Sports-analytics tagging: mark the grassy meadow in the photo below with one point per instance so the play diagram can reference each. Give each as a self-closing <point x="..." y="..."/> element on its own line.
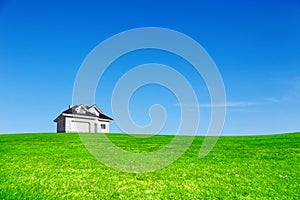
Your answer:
<point x="58" y="166"/>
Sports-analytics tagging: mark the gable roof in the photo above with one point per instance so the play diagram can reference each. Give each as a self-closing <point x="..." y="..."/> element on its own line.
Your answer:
<point x="94" y="106"/>
<point x="73" y="111"/>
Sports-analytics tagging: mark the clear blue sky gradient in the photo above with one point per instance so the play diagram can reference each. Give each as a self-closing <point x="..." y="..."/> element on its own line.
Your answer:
<point x="255" y="44"/>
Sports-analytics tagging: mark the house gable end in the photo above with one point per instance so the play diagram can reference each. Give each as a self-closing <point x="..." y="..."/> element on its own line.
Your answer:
<point x="81" y="109"/>
<point x="95" y="110"/>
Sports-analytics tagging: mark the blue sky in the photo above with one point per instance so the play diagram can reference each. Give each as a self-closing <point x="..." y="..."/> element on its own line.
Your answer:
<point x="255" y="44"/>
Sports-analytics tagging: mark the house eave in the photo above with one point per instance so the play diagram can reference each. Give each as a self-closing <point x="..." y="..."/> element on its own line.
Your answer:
<point x="81" y="117"/>
<point x="57" y="118"/>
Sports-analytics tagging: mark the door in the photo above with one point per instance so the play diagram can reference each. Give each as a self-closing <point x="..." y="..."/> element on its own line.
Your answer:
<point x="96" y="128"/>
<point x="82" y="127"/>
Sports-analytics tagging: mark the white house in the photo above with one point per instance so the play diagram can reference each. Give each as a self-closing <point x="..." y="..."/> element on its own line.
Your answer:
<point x="80" y="118"/>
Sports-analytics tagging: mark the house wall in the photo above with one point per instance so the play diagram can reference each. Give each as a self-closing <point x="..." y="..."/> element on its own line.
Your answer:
<point x="61" y="125"/>
<point x="94" y="125"/>
<point x="101" y="130"/>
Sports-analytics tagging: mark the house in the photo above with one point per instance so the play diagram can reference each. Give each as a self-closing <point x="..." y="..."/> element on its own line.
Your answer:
<point x="80" y="118"/>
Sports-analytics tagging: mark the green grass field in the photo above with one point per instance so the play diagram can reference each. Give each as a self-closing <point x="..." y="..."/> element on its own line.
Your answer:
<point x="57" y="166"/>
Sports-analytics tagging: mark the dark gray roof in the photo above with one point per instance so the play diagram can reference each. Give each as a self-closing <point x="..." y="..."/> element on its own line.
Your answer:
<point x="73" y="112"/>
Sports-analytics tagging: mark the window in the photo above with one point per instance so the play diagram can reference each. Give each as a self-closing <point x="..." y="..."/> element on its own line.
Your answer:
<point x="103" y="126"/>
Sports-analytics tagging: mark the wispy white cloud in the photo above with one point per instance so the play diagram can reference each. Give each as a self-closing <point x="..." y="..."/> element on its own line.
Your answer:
<point x="237" y="106"/>
<point x="292" y="85"/>
<point x="227" y="104"/>
<point x="276" y="100"/>
<point x="244" y="110"/>
<point x="231" y="104"/>
<point x="297" y="87"/>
